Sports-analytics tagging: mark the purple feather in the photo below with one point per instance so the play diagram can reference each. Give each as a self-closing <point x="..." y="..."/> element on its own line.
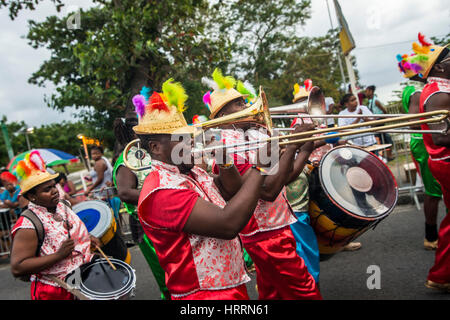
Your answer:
<point x="416" y="68"/>
<point x="401" y="67"/>
<point x="139" y="104"/>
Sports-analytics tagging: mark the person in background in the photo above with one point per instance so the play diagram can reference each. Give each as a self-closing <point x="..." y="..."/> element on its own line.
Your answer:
<point x="102" y="173"/>
<point x="330" y="107"/>
<point x="376" y="107"/>
<point x="10" y="196"/>
<point x="350" y="103"/>
<point x="67" y="185"/>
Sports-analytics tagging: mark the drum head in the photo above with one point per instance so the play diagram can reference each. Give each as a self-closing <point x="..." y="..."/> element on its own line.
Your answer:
<point x="96" y="215"/>
<point x="100" y="282"/>
<point x="358" y="182"/>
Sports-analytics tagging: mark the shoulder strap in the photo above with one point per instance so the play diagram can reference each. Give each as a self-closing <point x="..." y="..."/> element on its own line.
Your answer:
<point x="30" y="215"/>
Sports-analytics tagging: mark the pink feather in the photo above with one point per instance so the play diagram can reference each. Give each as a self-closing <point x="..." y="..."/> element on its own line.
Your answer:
<point x="207" y="99"/>
<point x="36" y="159"/>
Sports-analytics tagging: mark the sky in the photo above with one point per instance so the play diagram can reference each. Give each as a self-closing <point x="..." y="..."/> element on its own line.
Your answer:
<point x="381" y="29"/>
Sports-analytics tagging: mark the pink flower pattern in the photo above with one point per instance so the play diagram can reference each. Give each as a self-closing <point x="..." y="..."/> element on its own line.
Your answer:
<point x="55" y="235"/>
<point x="268" y="215"/>
<point x="219" y="263"/>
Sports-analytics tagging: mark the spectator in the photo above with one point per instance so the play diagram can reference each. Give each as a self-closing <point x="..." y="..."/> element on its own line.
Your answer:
<point x="350" y="103"/>
<point x="376" y="107"/>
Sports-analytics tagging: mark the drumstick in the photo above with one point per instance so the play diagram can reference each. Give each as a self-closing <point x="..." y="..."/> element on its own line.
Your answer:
<point x="104" y="256"/>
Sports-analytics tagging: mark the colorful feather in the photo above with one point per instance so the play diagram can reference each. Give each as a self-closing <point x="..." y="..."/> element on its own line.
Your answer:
<point x="139" y="102"/>
<point x="296" y="88"/>
<point x="8" y="177"/>
<point x="416" y="68"/>
<point x="210" y="83"/>
<point x="156" y="102"/>
<point x="22" y="169"/>
<point x="423" y="41"/>
<point x="399" y="58"/>
<point x="223" y="82"/>
<point x="243" y="90"/>
<point x="37" y="161"/>
<point x="175" y="93"/>
<point x="419" y="49"/>
<point x="400" y="66"/>
<point x="146" y="91"/>
<point x="308" y="84"/>
<point x="207" y="100"/>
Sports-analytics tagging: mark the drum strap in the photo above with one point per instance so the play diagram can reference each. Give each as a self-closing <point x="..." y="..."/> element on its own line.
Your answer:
<point x="30" y="215"/>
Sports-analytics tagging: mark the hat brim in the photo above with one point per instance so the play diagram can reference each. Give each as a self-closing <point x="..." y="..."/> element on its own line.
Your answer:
<point x="225" y="102"/>
<point x="35" y="180"/>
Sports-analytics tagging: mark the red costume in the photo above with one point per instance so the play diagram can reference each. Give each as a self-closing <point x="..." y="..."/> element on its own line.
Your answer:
<point x="196" y="267"/>
<point x="439" y="164"/>
<point x="281" y="273"/>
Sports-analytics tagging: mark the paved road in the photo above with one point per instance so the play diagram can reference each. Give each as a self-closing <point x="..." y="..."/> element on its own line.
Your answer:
<point x="395" y="247"/>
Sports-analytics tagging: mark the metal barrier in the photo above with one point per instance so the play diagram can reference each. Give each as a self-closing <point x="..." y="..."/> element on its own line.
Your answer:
<point x="5" y="231"/>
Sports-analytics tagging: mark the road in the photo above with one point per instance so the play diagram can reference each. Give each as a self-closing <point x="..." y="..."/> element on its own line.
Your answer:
<point x="394" y="251"/>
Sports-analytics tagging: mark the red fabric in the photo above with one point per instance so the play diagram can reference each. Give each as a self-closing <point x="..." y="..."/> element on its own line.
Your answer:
<point x="240" y="163"/>
<point x="280" y="273"/>
<point x="173" y="246"/>
<point x="440" y="272"/>
<point x="435" y="152"/>
<point x="237" y="293"/>
<point x="178" y="205"/>
<point x="41" y="291"/>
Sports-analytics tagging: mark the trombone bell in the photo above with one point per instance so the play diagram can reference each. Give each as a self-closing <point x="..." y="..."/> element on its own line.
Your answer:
<point x="258" y="112"/>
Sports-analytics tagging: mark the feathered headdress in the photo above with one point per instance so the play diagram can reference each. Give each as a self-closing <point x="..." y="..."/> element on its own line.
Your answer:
<point x="421" y="60"/>
<point x="302" y="91"/>
<point x="246" y="89"/>
<point x="162" y="112"/>
<point x="31" y="171"/>
<point x="223" y="91"/>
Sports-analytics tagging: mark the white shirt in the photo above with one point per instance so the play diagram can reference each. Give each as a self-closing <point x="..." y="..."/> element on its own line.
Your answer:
<point x="363" y="141"/>
<point x="328" y="102"/>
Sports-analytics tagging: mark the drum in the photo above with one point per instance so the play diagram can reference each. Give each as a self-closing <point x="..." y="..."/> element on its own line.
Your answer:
<point x="351" y="192"/>
<point x="100" y="223"/>
<point x="97" y="280"/>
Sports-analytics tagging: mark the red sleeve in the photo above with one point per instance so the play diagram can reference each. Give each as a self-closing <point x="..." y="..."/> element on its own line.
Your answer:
<point x="169" y="208"/>
<point x="242" y="165"/>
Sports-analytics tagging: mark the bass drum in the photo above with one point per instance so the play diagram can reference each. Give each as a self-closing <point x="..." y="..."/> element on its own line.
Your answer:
<point x="350" y="192"/>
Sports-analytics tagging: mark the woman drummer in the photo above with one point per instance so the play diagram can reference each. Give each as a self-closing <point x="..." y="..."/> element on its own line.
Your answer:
<point x="66" y="245"/>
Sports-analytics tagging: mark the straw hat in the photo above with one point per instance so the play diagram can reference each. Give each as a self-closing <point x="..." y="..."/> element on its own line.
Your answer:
<point x="223" y="92"/>
<point x="302" y="91"/>
<point x="422" y="60"/>
<point x="31" y="172"/>
<point x="162" y="113"/>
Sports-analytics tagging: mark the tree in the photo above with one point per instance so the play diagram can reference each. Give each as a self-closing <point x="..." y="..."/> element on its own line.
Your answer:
<point x="121" y="46"/>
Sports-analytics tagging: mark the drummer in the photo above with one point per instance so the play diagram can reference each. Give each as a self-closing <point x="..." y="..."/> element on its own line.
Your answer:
<point x="433" y="64"/>
<point x="66" y="245"/>
<point x="268" y="239"/>
<point x="183" y="210"/>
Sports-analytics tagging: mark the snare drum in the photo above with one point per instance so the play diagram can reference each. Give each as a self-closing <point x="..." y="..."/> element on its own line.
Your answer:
<point x="98" y="281"/>
<point x="100" y="223"/>
<point x="350" y="192"/>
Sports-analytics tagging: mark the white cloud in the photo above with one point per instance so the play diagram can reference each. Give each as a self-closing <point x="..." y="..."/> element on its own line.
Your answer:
<point x="398" y="21"/>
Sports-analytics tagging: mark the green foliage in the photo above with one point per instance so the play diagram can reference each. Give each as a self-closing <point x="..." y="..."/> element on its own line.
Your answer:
<point x="125" y="44"/>
<point x="60" y="136"/>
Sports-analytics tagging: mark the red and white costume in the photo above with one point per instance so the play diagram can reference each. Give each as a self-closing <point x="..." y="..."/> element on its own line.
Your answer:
<point x="196" y="267"/>
<point x="42" y="288"/>
<point x="268" y="239"/>
<point x="439" y="164"/>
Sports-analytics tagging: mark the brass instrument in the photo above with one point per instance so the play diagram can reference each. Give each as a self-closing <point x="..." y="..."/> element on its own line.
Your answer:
<point x="139" y="155"/>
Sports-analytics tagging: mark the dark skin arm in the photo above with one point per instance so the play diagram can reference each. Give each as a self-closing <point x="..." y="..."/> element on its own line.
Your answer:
<point x="23" y="259"/>
<point x="100" y="168"/>
<point x="302" y="157"/>
<point x="439" y="101"/>
<point x="275" y="183"/>
<point x="379" y="105"/>
<point x="209" y="220"/>
<point x="229" y="182"/>
<point x="127" y="186"/>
